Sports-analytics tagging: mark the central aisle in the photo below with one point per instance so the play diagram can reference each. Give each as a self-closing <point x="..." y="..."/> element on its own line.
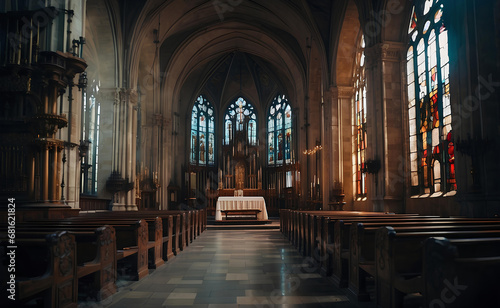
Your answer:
<point x="233" y="268"/>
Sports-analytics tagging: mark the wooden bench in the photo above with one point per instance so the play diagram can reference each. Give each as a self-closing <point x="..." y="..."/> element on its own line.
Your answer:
<point x="155" y="233"/>
<point x="186" y="224"/>
<point x="95" y="255"/>
<point x="241" y="212"/>
<point x="363" y="246"/>
<point x="321" y="233"/>
<point x="99" y="248"/>
<point x="131" y="241"/>
<point x="336" y="241"/>
<point x="399" y="261"/>
<point x="304" y="229"/>
<point x="173" y="226"/>
<point x="46" y="270"/>
<point x="471" y="266"/>
<point x="338" y="263"/>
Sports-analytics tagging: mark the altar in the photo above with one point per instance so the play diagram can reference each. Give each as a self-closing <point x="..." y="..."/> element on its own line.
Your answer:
<point x="241" y="203"/>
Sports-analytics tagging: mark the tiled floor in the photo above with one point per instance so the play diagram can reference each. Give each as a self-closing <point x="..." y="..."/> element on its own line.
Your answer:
<point x="233" y="268"/>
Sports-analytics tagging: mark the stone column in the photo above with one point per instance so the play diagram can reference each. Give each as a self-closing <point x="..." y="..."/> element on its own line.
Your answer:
<point x="473" y="28"/>
<point x="124" y="152"/>
<point x="107" y="97"/>
<point x="341" y="144"/>
<point x="45" y="173"/>
<point x="385" y="142"/>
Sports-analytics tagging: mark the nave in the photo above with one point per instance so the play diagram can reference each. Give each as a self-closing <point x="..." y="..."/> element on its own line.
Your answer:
<point x="234" y="268"/>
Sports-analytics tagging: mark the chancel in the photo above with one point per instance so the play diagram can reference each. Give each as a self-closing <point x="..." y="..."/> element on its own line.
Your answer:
<point x="248" y="152"/>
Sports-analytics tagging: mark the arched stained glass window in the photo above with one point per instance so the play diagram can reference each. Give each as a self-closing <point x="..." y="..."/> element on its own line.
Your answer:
<point x="432" y="157"/>
<point x="359" y="156"/>
<point x="91" y="115"/>
<point x="279" y="132"/>
<point x="202" y="133"/>
<point x="240" y="116"/>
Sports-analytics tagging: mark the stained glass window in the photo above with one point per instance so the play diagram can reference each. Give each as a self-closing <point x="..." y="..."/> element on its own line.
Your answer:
<point x="432" y="158"/>
<point x="359" y="107"/>
<point x="91" y="114"/>
<point x="202" y="133"/>
<point x="240" y="116"/>
<point x="280" y="132"/>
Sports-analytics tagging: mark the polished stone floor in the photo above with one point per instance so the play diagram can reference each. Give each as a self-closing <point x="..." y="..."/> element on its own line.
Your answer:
<point x="233" y="268"/>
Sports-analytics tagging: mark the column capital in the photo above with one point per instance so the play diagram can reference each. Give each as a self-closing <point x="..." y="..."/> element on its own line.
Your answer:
<point x="128" y="96"/>
<point x="108" y="94"/>
<point x="341" y="92"/>
<point x="386" y="51"/>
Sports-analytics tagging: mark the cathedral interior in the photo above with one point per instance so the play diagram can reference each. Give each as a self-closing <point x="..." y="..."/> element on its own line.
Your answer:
<point x="131" y="105"/>
<point x="387" y="106"/>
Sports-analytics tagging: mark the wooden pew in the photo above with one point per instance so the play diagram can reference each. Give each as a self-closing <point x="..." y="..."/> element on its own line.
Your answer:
<point x="305" y="230"/>
<point x="399" y="264"/>
<point x="95" y="255"/>
<point x="336" y="238"/>
<point x="187" y="225"/>
<point x="362" y="244"/>
<point x="461" y="272"/>
<point x="304" y="237"/>
<point x="322" y="235"/>
<point x="48" y="271"/>
<point x="178" y="223"/>
<point x="155" y="233"/>
<point x="131" y="240"/>
<point x="338" y="263"/>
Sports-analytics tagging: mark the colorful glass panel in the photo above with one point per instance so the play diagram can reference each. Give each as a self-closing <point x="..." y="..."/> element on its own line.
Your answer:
<point x="280" y="150"/>
<point x="413" y="22"/>
<point x="194" y="145"/>
<point x="271" y="146"/>
<point x="211" y="146"/>
<point x="252" y="132"/>
<point x="202" y="133"/>
<point x="431" y="164"/>
<point x="359" y="109"/>
<point x="238" y="117"/>
<point x="280" y="132"/>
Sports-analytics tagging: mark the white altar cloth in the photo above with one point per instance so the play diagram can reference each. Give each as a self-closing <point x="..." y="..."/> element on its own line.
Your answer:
<point x="241" y="203"/>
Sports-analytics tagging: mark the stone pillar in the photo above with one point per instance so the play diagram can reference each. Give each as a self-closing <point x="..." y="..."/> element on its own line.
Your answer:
<point x="55" y="177"/>
<point x="475" y="93"/>
<point x="385" y="144"/>
<point x="341" y="145"/>
<point x="124" y="152"/>
<point x="45" y="173"/>
<point x="107" y="98"/>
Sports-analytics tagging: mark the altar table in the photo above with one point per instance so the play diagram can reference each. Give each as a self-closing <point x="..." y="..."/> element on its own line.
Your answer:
<point x="241" y="203"/>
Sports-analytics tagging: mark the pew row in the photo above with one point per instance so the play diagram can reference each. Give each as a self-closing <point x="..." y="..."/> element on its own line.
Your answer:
<point x="461" y="272"/>
<point x="363" y="244"/>
<point x="51" y="275"/>
<point x="399" y="261"/>
<point x="335" y="247"/>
